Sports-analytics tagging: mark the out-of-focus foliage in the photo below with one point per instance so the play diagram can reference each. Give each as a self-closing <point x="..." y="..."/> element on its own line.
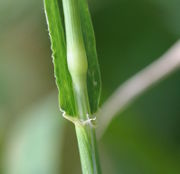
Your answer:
<point x="130" y="34"/>
<point x="34" y="143"/>
<point x="144" y="139"/>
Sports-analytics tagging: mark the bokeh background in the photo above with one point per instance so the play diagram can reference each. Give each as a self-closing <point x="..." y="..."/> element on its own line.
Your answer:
<point x="34" y="139"/>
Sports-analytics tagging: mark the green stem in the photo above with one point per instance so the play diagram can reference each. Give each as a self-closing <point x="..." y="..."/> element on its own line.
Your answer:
<point x="88" y="150"/>
<point x="77" y="65"/>
<point x="86" y="133"/>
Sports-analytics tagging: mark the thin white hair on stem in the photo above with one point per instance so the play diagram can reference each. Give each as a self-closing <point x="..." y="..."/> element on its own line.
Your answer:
<point x="136" y="85"/>
<point x="76" y="120"/>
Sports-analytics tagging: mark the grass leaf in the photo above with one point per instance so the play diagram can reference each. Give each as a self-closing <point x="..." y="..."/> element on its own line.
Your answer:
<point x="63" y="78"/>
<point x="58" y="46"/>
<point x="93" y="76"/>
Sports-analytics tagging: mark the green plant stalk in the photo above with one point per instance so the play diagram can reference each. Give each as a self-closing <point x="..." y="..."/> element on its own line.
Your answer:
<point x="86" y="136"/>
<point x="78" y="66"/>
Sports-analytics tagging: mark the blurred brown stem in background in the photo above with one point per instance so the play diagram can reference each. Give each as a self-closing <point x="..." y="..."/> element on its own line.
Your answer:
<point x="136" y="85"/>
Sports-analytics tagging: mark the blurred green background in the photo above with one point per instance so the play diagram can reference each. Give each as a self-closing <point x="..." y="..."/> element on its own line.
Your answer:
<point x="34" y="139"/>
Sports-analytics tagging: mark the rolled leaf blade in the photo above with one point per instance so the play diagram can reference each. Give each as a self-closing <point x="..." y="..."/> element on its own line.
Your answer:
<point x="58" y="46"/>
<point x="93" y="76"/>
